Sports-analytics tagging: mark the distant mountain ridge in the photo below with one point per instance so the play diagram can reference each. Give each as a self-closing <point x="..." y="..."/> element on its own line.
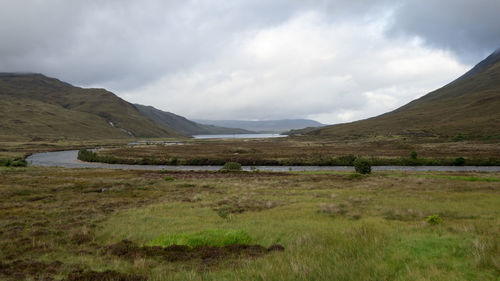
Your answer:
<point x="269" y="126"/>
<point x="469" y="105"/>
<point x="182" y="124"/>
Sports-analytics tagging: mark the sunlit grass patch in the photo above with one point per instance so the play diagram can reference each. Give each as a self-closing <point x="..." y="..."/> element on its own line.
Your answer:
<point x="209" y="237"/>
<point x="447" y="177"/>
<point x="463" y="178"/>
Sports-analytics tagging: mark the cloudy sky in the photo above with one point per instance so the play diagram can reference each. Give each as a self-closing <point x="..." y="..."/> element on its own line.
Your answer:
<point x="333" y="61"/>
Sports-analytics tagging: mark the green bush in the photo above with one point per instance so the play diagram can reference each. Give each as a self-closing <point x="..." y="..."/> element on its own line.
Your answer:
<point x="5" y="162"/>
<point x="433" y="220"/>
<point x="413" y="155"/>
<point x="346" y="160"/>
<point x="460" y="161"/>
<point x="18" y="163"/>
<point x="231" y="166"/>
<point x="460" y="137"/>
<point x="211" y="237"/>
<point x="87" y="156"/>
<point x="174" y="161"/>
<point x="224" y="213"/>
<point x="169" y="178"/>
<point x="90" y="156"/>
<point x="362" y="166"/>
<point x="13" y="163"/>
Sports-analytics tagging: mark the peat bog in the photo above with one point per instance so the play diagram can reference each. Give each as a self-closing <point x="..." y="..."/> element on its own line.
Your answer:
<point x="95" y="224"/>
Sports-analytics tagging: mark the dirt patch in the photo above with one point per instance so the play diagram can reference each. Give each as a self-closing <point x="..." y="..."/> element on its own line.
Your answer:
<point x="109" y="275"/>
<point x="276" y="247"/>
<point x="341" y="209"/>
<point x="174" y="253"/>
<point x="81" y="238"/>
<point x="21" y="269"/>
<point x="236" y="205"/>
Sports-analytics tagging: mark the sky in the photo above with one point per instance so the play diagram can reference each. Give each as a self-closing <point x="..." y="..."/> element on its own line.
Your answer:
<point x="332" y="61"/>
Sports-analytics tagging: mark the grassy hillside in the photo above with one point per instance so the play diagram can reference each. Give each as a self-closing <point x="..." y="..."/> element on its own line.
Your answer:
<point x="39" y="106"/>
<point x="468" y="106"/>
<point x="181" y="124"/>
<point x="38" y="120"/>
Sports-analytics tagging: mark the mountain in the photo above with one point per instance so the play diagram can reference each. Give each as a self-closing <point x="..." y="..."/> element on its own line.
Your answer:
<point x="270" y="126"/>
<point x="181" y="124"/>
<point x="470" y="105"/>
<point x="36" y="106"/>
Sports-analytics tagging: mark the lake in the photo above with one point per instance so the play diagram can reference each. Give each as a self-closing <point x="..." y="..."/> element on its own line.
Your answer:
<point x="240" y="136"/>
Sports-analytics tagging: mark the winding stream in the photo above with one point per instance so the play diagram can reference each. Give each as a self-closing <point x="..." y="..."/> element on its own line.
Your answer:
<point x="68" y="159"/>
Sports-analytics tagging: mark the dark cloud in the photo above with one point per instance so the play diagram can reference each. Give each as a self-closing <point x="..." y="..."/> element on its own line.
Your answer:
<point x="471" y="29"/>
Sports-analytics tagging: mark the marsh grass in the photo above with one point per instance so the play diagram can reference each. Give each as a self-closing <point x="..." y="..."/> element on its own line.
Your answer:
<point x="54" y="222"/>
<point x="482" y="177"/>
<point x="311" y="151"/>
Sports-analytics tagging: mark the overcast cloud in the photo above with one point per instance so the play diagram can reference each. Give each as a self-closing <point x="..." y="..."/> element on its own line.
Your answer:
<point x="333" y="61"/>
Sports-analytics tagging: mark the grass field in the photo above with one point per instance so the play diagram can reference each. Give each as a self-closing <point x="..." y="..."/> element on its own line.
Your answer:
<point x="310" y="151"/>
<point x="70" y="224"/>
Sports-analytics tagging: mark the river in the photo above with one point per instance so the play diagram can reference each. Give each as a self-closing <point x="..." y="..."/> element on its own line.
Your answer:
<point x="68" y="159"/>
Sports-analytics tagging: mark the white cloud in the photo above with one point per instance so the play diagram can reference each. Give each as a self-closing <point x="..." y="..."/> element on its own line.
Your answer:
<point x="308" y="66"/>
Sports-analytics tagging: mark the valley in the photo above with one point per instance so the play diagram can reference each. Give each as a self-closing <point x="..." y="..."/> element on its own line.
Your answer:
<point x="208" y="218"/>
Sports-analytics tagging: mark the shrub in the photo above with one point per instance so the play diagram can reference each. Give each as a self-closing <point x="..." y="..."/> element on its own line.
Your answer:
<point x="5" y="162"/>
<point x="211" y="237"/>
<point x="174" y="161"/>
<point x="413" y="155"/>
<point x="362" y="166"/>
<point x="87" y="155"/>
<point x="459" y="161"/>
<point x="19" y="163"/>
<point x="224" y="213"/>
<point x="169" y="178"/>
<point x="460" y="137"/>
<point x="232" y="166"/>
<point x="433" y="220"/>
<point x="13" y="163"/>
<point x="346" y="160"/>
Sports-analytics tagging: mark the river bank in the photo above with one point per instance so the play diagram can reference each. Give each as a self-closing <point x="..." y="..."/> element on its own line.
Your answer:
<point x="68" y="159"/>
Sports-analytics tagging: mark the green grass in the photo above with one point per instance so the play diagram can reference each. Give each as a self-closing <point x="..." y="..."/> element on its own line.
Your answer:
<point x="465" y="178"/>
<point x="378" y="233"/>
<point x="452" y="177"/>
<point x="210" y="237"/>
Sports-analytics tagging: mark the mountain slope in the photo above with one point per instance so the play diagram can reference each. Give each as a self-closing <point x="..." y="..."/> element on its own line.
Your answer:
<point x="274" y="126"/>
<point x="184" y="125"/>
<point x="38" y="106"/>
<point x="469" y="105"/>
